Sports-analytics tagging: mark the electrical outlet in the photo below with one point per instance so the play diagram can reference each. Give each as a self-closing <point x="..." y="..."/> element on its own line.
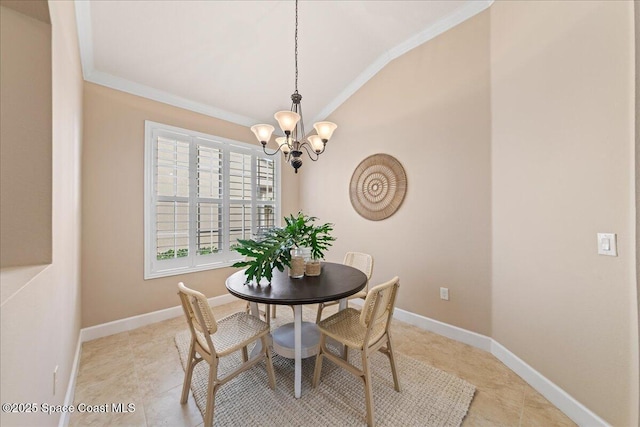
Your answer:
<point x="55" y="378"/>
<point x="444" y="294"/>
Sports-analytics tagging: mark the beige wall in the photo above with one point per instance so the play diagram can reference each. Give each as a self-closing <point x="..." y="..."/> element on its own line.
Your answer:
<point x="429" y="109"/>
<point x="40" y="315"/>
<point x="522" y="191"/>
<point x="637" y="116"/>
<point x="112" y="194"/>
<point x="25" y="140"/>
<point x="505" y="172"/>
<point x="562" y="170"/>
<point x="36" y="9"/>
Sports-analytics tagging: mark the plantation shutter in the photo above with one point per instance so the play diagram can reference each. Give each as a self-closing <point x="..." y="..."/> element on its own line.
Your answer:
<point x="203" y="194"/>
<point x="241" y="196"/>
<point x="171" y="200"/>
<point x="266" y="194"/>
<point x="209" y="228"/>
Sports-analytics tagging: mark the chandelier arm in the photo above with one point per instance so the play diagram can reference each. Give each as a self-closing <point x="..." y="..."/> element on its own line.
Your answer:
<point x="305" y="145"/>
<point x="264" y="148"/>
<point x="294" y="108"/>
<point x="301" y="122"/>
<point x="324" y="147"/>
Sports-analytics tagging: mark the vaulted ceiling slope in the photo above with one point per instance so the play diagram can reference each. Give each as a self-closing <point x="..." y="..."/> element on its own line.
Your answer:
<point x="235" y="59"/>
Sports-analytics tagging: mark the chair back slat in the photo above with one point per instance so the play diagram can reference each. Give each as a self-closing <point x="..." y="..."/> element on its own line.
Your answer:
<point x="361" y="261"/>
<point x="378" y="306"/>
<point x="198" y="310"/>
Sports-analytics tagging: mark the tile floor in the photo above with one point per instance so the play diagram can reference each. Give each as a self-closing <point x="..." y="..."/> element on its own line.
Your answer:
<point x="142" y="367"/>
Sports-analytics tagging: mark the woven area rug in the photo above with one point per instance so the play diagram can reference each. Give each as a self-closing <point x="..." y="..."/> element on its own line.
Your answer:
<point x="429" y="396"/>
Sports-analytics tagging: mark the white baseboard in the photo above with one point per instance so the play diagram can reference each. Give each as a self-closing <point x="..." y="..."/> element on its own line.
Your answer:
<point x="71" y="387"/>
<point x="575" y="410"/>
<point x="122" y="325"/>
<point x="455" y="333"/>
<point x="561" y="399"/>
<point x="130" y="323"/>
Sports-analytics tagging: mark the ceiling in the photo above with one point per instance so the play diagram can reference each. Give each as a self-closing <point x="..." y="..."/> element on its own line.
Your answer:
<point x="235" y="59"/>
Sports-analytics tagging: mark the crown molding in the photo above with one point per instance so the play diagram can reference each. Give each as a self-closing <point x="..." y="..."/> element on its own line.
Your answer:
<point x="83" y="21"/>
<point x="455" y="18"/>
<point x="148" y="92"/>
<point x="90" y="74"/>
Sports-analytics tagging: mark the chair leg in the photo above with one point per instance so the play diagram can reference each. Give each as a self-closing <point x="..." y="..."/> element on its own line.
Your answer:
<point x="270" y="373"/>
<point x="319" y="315"/>
<point x="394" y="372"/>
<point x="368" y="392"/>
<point x="345" y="353"/>
<point x="188" y="373"/>
<point x="245" y="354"/>
<point x="266" y="311"/>
<point x="318" y="368"/>
<point x="212" y="388"/>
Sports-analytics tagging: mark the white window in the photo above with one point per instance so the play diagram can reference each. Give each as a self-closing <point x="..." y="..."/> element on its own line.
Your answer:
<point x="202" y="194"/>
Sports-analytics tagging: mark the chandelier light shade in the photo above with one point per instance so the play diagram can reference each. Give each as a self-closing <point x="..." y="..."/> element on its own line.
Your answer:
<point x="292" y="125"/>
<point x="287" y="120"/>
<point x="262" y="132"/>
<point x="325" y="130"/>
<point x="316" y="143"/>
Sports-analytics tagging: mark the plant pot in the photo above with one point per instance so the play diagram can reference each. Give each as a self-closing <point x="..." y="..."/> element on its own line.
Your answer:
<point x="296" y="270"/>
<point x="313" y="267"/>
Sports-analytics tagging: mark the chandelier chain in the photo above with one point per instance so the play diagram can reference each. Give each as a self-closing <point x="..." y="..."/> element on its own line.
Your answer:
<point x="296" y="47"/>
<point x="292" y="124"/>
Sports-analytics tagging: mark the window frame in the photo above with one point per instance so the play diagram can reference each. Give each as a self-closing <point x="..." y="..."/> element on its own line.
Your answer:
<point x="194" y="262"/>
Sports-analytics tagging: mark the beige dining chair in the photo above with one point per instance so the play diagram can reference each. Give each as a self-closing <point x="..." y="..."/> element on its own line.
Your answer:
<point x="211" y="340"/>
<point x="361" y="261"/>
<point x="267" y="308"/>
<point x="366" y="330"/>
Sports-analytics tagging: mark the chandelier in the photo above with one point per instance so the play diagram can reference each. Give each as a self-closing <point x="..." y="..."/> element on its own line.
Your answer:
<point x="292" y="124"/>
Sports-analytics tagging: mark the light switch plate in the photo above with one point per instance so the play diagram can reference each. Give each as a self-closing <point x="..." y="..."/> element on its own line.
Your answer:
<point x="607" y="244"/>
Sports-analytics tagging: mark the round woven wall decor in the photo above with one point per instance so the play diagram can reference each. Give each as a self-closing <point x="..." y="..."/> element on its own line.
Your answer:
<point x="378" y="186"/>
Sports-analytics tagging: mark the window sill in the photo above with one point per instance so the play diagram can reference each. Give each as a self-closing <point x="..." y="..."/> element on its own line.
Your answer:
<point x="188" y="270"/>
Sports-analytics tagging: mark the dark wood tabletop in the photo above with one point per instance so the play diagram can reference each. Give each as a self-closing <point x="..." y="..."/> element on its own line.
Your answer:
<point x="336" y="281"/>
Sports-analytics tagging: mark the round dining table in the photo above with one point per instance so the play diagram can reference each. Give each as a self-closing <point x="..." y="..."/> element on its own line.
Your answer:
<point x="335" y="282"/>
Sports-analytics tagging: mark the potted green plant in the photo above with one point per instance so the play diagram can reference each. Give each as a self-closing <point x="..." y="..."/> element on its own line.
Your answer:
<point x="263" y="255"/>
<point x="286" y="246"/>
<point x="308" y="243"/>
<point x="303" y="233"/>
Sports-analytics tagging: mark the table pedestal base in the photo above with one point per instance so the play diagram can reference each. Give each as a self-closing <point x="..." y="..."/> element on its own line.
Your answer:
<point x="284" y="340"/>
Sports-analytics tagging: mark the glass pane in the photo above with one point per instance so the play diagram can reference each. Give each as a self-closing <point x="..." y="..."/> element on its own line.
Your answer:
<point x="209" y="172"/>
<point x="239" y="223"/>
<point x="266" y="179"/>
<point x="209" y="233"/>
<point x="265" y="218"/>
<point x="172" y="172"/>
<point x="172" y="230"/>
<point x="240" y="176"/>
